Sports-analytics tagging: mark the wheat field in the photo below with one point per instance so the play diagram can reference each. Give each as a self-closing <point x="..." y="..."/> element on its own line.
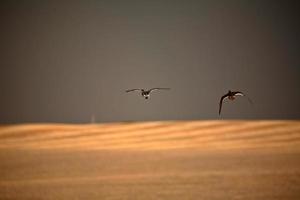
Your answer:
<point x="180" y="160"/>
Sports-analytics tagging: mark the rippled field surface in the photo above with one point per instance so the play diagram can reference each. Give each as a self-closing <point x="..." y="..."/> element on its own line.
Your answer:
<point x="186" y="160"/>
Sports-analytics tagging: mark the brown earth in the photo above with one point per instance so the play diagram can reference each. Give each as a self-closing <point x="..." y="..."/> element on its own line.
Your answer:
<point x="152" y="160"/>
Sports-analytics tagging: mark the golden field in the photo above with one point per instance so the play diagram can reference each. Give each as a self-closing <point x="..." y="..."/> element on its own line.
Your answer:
<point x="178" y="160"/>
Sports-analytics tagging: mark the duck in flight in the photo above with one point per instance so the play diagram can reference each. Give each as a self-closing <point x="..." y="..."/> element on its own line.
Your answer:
<point x="231" y="96"/>
<point x="146" y="93"/>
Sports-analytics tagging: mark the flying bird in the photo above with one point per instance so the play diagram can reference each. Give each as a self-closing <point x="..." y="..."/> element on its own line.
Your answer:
<point x="231" y="96"/>
<point x="146" y="93"/>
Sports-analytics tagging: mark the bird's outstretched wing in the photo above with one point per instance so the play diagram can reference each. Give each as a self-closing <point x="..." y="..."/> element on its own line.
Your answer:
<point x="238" y="93"/>
<point x="249" y="100"/>
<point x="221" y="102"/>
<point x="152" y="89"/>
<point x="131" y="90"/>
<point x="242" y="94"/>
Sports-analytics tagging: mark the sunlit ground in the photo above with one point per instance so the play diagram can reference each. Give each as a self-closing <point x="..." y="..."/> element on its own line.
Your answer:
<point x="151" y="160"/>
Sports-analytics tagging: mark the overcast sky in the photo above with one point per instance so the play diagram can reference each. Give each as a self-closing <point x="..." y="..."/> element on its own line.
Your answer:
<point x="66" y="61"/>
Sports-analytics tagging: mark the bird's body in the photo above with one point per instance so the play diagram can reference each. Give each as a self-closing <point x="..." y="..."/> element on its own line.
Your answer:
<point x="231" y="96"/>
<point x="146" y="93"/>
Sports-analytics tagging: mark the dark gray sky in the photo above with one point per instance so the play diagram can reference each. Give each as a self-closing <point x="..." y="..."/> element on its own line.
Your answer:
<point x="64" y="61"/>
